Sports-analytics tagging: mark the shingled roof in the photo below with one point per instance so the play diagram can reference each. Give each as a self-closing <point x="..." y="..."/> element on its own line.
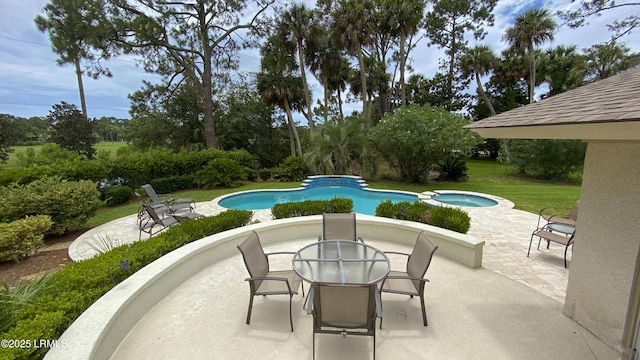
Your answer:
<point x="608" y="109"/>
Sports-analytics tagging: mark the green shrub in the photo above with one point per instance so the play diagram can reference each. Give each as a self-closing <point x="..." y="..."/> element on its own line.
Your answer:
<point x="80" y="284"/>
<point x="174" y="183"/>
<point x="311" y="207"/>
<point x="252" y="175"/>
<point x="14" y="299"/>
<point x="453" y="168"/>
<point x="116" y="195"/>
<point x="451" y="218"/>
<point x="545" y="159"/>
<point x="444" y="217"/>
<point x="293" y="168"/>
<point x="223" y="172"/>
<point x="69" y="203"/>
<point x="265" y="174"/>
<point x="21" y="238"/>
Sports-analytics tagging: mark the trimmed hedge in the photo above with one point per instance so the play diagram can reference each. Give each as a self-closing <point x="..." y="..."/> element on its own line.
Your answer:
<point x="312" y="207"/>
<point x="444" y="217"/>
<point x="21" y="238"/>
<point x="174" y="183"/>
<point x="69" y="203"/>
<point x="116" y="195"/>
<point x="80" y="284"/>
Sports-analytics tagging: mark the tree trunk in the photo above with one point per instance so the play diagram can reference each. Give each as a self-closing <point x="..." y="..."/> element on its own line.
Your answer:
<point x="292" y="126"/>
<point x="340" y="104"/>
<point x="532" y="72"/>
<point x="207" y="93"/>
<point x="403" y="91"/>
<point x="326" y="98"/>
<point x="363" y="80"/>
<point x="83" y="102"/>
<point x="484" y="95"/>
<point x="305" y="85"/>
<point x="292" y="143"/>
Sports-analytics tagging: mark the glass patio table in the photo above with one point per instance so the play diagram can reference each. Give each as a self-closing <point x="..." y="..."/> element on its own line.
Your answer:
<point x="562" y="228"/>
<point x="341" y="261"/>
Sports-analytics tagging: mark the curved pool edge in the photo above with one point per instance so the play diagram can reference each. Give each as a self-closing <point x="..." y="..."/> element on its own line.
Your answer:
<point x="502" y="202"/>
<point x="98" y="331"/>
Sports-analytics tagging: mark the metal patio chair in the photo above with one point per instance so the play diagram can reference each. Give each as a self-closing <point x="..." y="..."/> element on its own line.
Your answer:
<point x="167" y="199"/>
<point x="344" y="309"/>
<point x="411" y="282"/>
<point x="262" y="280"/>
<point x="339" y="226"/>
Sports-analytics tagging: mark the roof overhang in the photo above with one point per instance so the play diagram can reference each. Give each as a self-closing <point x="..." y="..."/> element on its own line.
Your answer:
<point x="610" y="131"/>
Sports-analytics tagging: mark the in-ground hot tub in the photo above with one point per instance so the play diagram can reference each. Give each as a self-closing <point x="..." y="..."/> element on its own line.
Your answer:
<point x="460" y="198"/>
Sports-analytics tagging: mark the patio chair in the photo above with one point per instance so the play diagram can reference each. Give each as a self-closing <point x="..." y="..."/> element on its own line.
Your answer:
<point x="339" y="226"/>
<point x="263" y="281"/>
<point x="345" y="309"/>
<point x="411" y="282"/>
<point x="166" y="199"/>
<point x="563" y="216"/>
<point x="547" y="234"/>
<point x="156" y="217"/>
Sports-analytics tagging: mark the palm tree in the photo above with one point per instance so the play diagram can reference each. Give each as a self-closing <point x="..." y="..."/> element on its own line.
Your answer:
<point x="300" y="27"/>
<point x="352" y="27"/>
<point x="479" y="60"/>
<point x="340" y="148"/>
<point x="604" y="60"/>
<point x="406" y="16"/>
<point x="531" y="29"/>
<point x="279" y="86"/>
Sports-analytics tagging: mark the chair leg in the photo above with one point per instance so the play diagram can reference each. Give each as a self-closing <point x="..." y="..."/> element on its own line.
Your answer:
<point x="374" y="343"/>
<point x="314" y="345"/>
<point x="530" y="242"/>
<point x="565" y="256"/>
<point x="290" y="316"/>
<point x="424" y="311"/>
<point x="250" y="306"/>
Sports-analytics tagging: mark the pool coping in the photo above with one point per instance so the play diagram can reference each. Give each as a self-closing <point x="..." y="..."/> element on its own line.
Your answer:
<point x="502" y="202"/>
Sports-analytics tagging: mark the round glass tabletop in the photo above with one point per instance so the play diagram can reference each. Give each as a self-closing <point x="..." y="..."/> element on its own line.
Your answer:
<point x="341" y="261"/>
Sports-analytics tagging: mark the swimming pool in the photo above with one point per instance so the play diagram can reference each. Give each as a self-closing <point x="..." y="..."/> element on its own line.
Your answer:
<point x="463" y="199"/>
<point x="365" y="201"/>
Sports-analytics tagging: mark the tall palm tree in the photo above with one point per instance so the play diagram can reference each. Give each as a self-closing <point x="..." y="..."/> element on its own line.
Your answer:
<point x="278" y="85"/>
<point x="301" y="28"/>
<point x="406" y="16"/>
<point x="531" y="29"/>
<point x="352" y="27"/>
<point x="479" y="60"/>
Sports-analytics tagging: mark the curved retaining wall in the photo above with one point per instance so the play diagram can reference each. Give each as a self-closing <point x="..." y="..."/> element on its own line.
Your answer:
<point x="100" y="329"/>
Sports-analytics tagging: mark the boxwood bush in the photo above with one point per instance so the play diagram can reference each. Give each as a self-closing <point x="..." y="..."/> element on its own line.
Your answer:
<point x="69" y="203"/>
<point x="174" y="183"/>
<point x="444" y="217"/>
<point x="21" y="238"/>
<point x="312" y="207"/>
<point x="116" y="195"/>
<point x="80" y="284"/>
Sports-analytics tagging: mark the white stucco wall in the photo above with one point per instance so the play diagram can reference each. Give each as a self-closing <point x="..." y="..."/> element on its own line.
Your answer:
<point x="607" y="239"/>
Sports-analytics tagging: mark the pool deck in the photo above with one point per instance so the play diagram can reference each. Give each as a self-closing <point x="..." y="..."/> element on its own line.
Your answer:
<point x="511" y="308"/>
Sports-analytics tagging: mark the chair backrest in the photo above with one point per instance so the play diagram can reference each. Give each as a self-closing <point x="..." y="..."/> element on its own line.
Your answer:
<point x="151" y="193"/>
<point x="153" y="213"/>
<point x="339" y="226"/>
<point x="420" y="258"/>
<point x="254" y="257"/>
<point x="573" y="214"/>
<point x="346" y="306"/>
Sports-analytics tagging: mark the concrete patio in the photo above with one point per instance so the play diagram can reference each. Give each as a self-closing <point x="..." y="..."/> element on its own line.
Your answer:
<point x="509" y="309"/>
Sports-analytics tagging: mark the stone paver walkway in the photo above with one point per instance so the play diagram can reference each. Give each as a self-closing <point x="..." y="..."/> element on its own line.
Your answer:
<point x="506" y="233"/>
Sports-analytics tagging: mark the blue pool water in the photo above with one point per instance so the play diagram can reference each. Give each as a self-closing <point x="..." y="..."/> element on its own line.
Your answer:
<point x="464" y="200"/>
<point x="364" y="201"/>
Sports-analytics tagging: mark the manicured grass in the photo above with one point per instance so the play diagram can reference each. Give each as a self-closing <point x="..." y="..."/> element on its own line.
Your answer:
<point x="103" y="145"/>
<point x="487" y="177"/>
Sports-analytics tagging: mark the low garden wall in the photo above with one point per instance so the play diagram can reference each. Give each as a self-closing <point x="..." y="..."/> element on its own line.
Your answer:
<point x="101" y="328"/>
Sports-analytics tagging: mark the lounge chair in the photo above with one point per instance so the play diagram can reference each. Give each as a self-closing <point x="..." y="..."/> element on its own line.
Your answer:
<point x="263" y="281"/>
<point x="156" y="217"/>
<point x="166" y="199"/>
<point x="339" y="226"/>
<point x="411" y="282"/>
<point x="345" y="309"/>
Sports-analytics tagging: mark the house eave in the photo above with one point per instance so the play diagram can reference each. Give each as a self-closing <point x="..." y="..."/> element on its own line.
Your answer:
<point x="611" y="131"/>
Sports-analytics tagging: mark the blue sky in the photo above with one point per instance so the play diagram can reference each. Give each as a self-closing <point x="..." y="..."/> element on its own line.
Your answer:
<point x="31" y="82"/>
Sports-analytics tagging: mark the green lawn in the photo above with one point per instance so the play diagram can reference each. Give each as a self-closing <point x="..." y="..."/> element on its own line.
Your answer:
<point x="484" y="176"/>
<point x="103" y="145"/>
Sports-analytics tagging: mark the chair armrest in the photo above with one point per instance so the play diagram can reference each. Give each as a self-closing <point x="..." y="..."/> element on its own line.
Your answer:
<point x="360" y="239"/>
<point x="281" y="253"/>
<point x="407" y="278"/>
